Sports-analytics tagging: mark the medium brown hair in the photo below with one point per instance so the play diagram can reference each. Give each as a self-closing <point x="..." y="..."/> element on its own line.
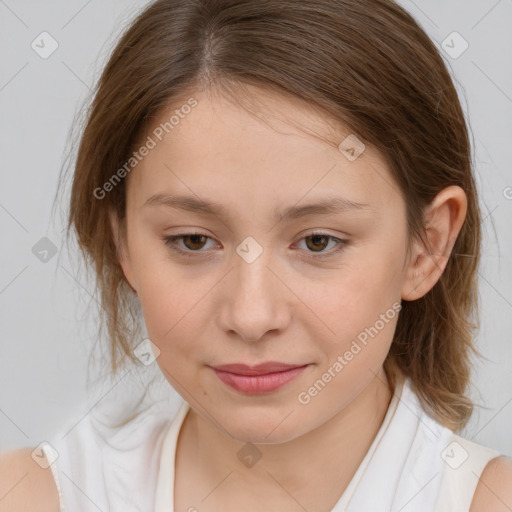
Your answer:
<point x="365" y="63"/>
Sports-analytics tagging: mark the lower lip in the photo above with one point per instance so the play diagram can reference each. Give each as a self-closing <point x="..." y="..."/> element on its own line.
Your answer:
<point x="258" y="384"/>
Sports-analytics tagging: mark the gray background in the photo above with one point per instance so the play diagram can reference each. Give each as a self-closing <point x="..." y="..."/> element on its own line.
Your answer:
<point x="45" y="333"/>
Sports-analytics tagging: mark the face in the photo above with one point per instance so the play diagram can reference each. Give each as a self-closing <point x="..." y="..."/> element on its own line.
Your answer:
<point x="246" y="283"/>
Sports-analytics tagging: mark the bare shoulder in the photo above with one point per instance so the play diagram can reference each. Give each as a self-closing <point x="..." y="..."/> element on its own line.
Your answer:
<point x="494" y="489"/>
<point x="24" y="485"/>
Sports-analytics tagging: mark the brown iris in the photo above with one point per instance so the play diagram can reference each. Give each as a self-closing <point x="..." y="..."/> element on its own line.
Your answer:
<point x="195" y="241"/>
<point x="316" y="239"/>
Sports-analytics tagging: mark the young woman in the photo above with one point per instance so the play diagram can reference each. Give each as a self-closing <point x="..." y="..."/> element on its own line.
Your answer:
<point x="283" y="190"/>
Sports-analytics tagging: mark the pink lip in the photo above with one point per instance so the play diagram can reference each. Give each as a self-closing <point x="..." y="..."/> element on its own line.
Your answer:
<point x="262" y="378"/>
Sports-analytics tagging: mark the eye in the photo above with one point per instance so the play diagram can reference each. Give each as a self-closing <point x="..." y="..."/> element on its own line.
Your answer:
<point x="318" y="241"/>
<point x="194" y="242"/>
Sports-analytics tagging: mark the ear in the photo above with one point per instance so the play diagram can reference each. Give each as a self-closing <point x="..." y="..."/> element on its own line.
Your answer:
<point x="122" y="251"/>
<point x="444" y="218"/>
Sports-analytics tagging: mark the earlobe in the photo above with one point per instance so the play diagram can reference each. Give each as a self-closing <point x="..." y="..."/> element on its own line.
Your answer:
<point x="121" y="252"/>
<point x="444" y="218"/>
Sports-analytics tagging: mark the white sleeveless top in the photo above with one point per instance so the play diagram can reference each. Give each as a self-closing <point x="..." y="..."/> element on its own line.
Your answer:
<point x="414" y="464"/>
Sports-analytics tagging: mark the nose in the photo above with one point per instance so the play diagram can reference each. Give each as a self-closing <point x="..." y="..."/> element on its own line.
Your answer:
<point x="257" y="300"/>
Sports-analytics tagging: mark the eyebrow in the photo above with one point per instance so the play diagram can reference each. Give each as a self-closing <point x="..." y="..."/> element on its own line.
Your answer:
<point x="329" y="205"/>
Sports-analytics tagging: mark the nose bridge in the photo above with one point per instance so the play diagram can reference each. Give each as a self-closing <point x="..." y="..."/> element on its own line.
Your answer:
<point x="257" y="302"/>
<point x="252" y="270"/>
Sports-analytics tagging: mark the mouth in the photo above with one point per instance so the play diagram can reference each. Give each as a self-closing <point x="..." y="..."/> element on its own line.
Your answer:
<point x="259" y="379"/>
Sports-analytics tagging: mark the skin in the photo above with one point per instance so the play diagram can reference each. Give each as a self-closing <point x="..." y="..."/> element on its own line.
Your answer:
<point x="287" y="305"/>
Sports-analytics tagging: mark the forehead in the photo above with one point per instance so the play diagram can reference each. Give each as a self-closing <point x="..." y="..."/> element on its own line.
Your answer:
<point x="270" y="148"/>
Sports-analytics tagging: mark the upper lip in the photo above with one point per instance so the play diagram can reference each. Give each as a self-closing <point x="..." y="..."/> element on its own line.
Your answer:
<point x="259" y="369"/>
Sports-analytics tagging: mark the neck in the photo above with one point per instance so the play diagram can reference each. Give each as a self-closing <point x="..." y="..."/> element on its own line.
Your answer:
<point x="325" y="458"/>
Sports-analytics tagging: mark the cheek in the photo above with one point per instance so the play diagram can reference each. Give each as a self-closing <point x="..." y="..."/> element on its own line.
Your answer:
<point x="169" y="297"/>
<point x="368" y="284"/>
<point x="156" y="278"/>
<point x="360" y="307"/>
<point x="170" y="312"/>
<point x="171" y="315"/>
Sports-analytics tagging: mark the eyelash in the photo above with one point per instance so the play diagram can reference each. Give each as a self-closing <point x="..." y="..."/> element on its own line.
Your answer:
<point x="170" y="241"/>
